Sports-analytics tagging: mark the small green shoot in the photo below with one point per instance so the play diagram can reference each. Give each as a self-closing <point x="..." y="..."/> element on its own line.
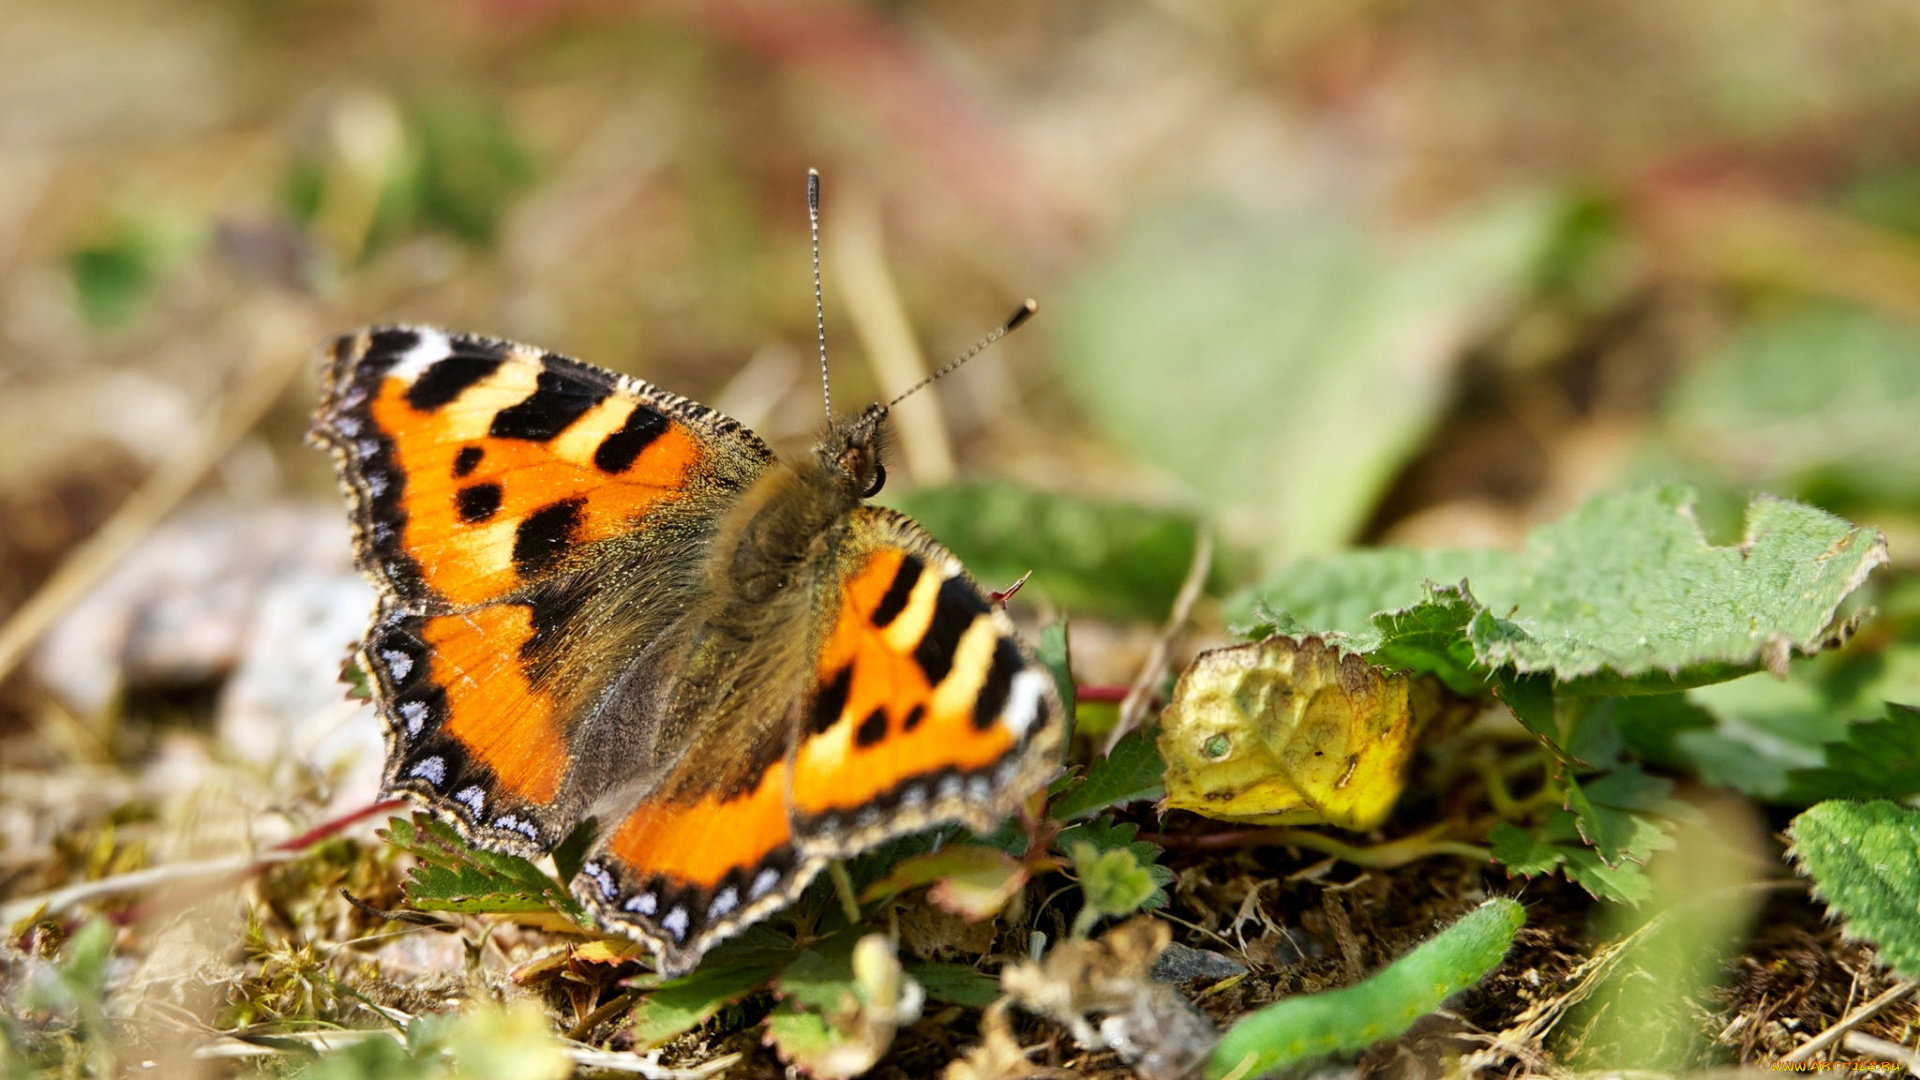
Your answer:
<point x="1311" y="1025"/>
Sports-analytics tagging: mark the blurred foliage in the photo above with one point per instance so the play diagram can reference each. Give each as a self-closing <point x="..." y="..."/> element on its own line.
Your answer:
<point x="1816" y="401"/>
<point x="1292" y="337"/>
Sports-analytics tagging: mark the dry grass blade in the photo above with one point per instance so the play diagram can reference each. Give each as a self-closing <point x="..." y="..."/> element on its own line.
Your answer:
<point x="60" y="899"/>
<point x="1898" y="992"/>
<point x="645" y="1066"/>
<point x="1133" y="707"/>
<point x="1882" y="1050"/>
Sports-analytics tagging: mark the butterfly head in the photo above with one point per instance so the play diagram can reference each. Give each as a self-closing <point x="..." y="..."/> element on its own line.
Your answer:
<point x="852" y="449"/>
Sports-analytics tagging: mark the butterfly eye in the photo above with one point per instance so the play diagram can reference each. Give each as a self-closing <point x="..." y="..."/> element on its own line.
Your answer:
<point x="879" y="481"/>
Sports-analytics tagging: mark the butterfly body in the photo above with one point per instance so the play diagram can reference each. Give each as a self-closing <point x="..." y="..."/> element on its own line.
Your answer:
<point x="601" y="600"/>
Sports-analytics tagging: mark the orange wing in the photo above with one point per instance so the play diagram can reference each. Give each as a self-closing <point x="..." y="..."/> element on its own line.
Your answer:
<point x="925" y="710"/>
<point x="496" y="490"/>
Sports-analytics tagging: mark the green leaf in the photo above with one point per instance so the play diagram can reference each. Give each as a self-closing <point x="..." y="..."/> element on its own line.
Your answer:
<point x="1624" y="595"/>
<point x="1530" y="699"/>
<point x="1311" y="1025"/>
<point x="1095" y="556"/>
<point x="448" y="875"/>
<point x="689" y="1001"/>
<point x="1056" y="654"/>
<point x="1099" y="838"/>
<point x="1132" y="773"/>
<point x="1763" y="730"/>
<point x="1285" y="367"/>
<point x="1610" y="814"/>
<point x="1430" y="637"/>
<point x="1558" y="844"/>
<point x="956" y="984"/>
<point x="1864" y="859"/>
<point x="1651" y="724"/>
<point x="1112" y="883"/>
<point x="1522" y="852"/>
<point x="1879" y="759"/>
<point x="1626" y="883"/>
<point x="840" y="1005"/>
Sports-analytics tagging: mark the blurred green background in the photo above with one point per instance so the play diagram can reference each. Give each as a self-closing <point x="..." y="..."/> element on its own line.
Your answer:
<point x="1321" y="271"/>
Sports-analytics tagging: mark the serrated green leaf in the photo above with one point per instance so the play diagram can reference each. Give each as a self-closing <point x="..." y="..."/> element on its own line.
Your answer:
<point x="1112" y="883"/>
<point x="1558" y="843"/>
<point x="1106" y="834"/>
<point x="1132" y="773"/>
<point x="1624" y="595"/>
<point x="1522" y="852"/>
<point x="1864" y="859"/>
<point x="1880" y="759"/>
<point x="1626" y="883"/>
<point x="1530" y="699"/>
<point x="448" y="875"/>
<point x="1430" y="637"/>
<point x="1096" y="556"/>
<point x="1310" y="1025"/>
<point x="1608" y="814"/>
<point x="1765" y="729"/>
<point x="1100" y="837"/>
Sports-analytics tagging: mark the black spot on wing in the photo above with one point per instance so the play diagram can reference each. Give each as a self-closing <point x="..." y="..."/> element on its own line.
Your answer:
<point x="478" y="502"/>
<point x="993" y="691"/>
<point x="618" y="451"/>
<point x="467" y="460"/>
<point x="469" y="362"/>
<point x="913" y="718"/>
<point x="557" y="401"/>
<point x="544" y="535"/>
<point x="872" y="730"/>
<point x="832" y="700"/>
<point x="895" y="600"/>
<point x="953" y="611"/>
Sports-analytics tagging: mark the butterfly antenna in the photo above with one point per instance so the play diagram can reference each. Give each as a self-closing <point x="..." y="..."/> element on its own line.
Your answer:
<point x="1013" y="323"/>
<point x="819" y="307"/>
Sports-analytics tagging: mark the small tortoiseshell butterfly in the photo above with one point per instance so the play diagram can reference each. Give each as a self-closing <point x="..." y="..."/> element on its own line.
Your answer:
<point x="600" y="599"/>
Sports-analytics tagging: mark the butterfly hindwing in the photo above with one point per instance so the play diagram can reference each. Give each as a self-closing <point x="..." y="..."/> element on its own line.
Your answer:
<point x="497" y="491"/>
<point x="922" y="708"/>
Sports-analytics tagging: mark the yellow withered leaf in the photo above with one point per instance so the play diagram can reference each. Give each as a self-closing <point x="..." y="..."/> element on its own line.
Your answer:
<point x="1287" y="731"/>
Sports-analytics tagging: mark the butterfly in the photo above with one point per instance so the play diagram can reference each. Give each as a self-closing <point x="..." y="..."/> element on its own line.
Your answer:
<point x="600" y="600"/>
